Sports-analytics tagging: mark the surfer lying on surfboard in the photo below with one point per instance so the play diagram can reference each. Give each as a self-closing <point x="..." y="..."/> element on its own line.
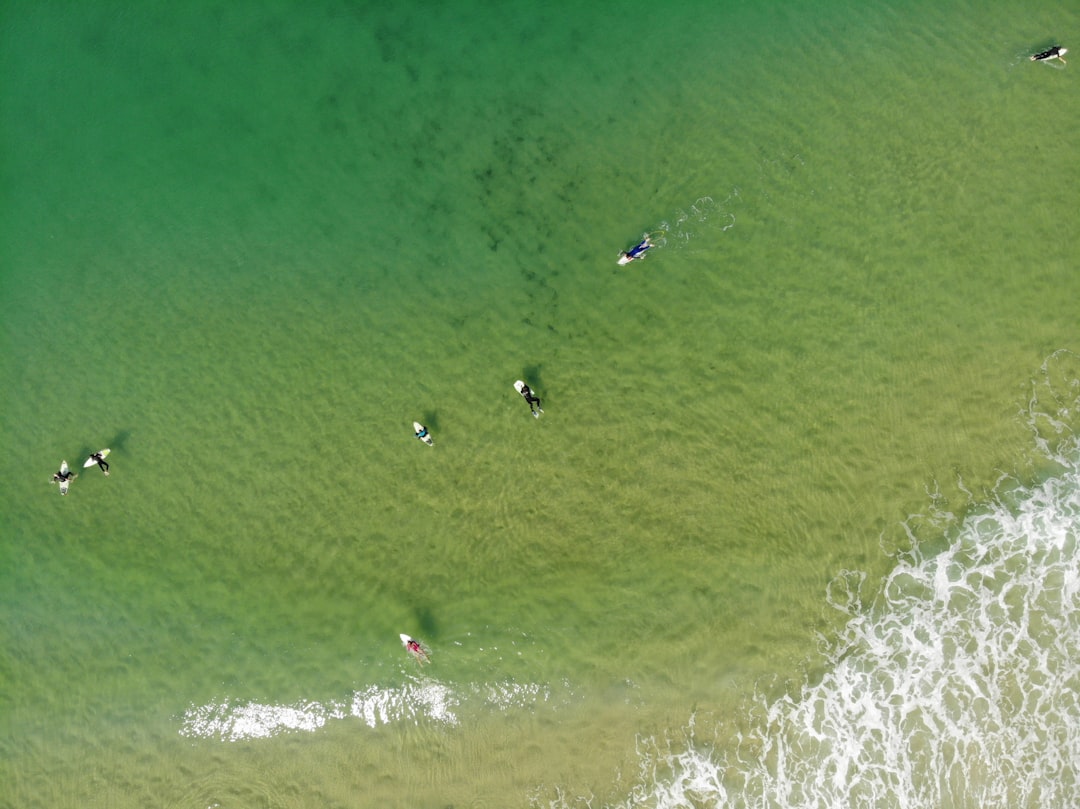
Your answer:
<point x="637" y="251"/>
<point x="530" y="397"/>
<point x="63" y="477"/>
<point x="415" y="649"/>
<point x="99" y="459"/>
<point x="1056" y="52"/>
<point x="422" y="433"/>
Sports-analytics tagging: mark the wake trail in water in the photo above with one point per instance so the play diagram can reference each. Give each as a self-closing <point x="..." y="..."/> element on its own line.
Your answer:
<point x="705" y="215"/>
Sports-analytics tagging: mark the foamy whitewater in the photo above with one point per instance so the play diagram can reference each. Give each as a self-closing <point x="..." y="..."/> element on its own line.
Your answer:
<point x="420" y="699"/>
<point x="957" y="687"/>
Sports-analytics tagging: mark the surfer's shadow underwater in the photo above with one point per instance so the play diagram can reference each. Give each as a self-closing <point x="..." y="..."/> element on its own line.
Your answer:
<point x="119" y="441"/>
<point x="425" y="619"/>
<point x="534" y="373"/>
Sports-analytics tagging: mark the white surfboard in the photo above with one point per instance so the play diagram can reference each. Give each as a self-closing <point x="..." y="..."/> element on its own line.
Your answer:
<point x="416" y="651"/>
<point x="104" y="453"/>
<point x="64" y="484"/>
<point x="421" y="432"/>
<point x="624" y="258"/>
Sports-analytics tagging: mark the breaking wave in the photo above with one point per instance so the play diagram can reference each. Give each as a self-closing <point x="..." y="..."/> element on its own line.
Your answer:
<point x="414" y="701"/>
<point x="959" y="686"/>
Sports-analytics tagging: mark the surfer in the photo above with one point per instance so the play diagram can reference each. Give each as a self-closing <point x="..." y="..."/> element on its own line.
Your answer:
<point x="63" y="477"/>
<point x="531" y="398"/>
<point x="637" y="251"/>
<point x="417" y="650"/>
<point x="99" y="459"/>
<point x="1055" y="52"/>
<point x="422" y="432"/>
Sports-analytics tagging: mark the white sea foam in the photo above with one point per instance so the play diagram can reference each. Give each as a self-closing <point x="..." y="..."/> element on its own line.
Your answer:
<point x="419" y="700"/>
<point x="958" y="687"/>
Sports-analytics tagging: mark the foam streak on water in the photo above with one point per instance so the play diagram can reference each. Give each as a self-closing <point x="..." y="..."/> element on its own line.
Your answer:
<point x="960" y="687"/>
<point x="420" y="699"/>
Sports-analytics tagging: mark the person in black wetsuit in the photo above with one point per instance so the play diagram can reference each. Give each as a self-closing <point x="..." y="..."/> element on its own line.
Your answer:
<point x="532" y="399"/>
<point x="101" y="462"/>
<point x="1056" y="52"/>
<point x="61" y="476"/>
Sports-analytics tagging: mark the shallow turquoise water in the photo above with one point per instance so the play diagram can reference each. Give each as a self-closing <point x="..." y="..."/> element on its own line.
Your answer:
<point x="247" y="245"/>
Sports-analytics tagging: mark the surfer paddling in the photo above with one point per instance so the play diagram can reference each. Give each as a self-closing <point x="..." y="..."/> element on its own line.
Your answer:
<point x="1056" y="52"/>
<point x="63" y="477"/>
<point x="415" y="649"/>
<point x="422" y="433"/>
<point x="530" y="397"/>
<point x="637" y="251"/>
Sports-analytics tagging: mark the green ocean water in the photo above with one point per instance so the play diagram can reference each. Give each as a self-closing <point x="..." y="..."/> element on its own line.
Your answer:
<point x="246" y="245"/>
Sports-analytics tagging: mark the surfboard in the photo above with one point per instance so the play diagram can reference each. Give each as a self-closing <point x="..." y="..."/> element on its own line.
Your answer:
<point x="104" y="453"/>
<point x="624" y="258"/>
<point x="418" y="653"/>
<point x="64" y="484"/>
<point x="420" y="431"/>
